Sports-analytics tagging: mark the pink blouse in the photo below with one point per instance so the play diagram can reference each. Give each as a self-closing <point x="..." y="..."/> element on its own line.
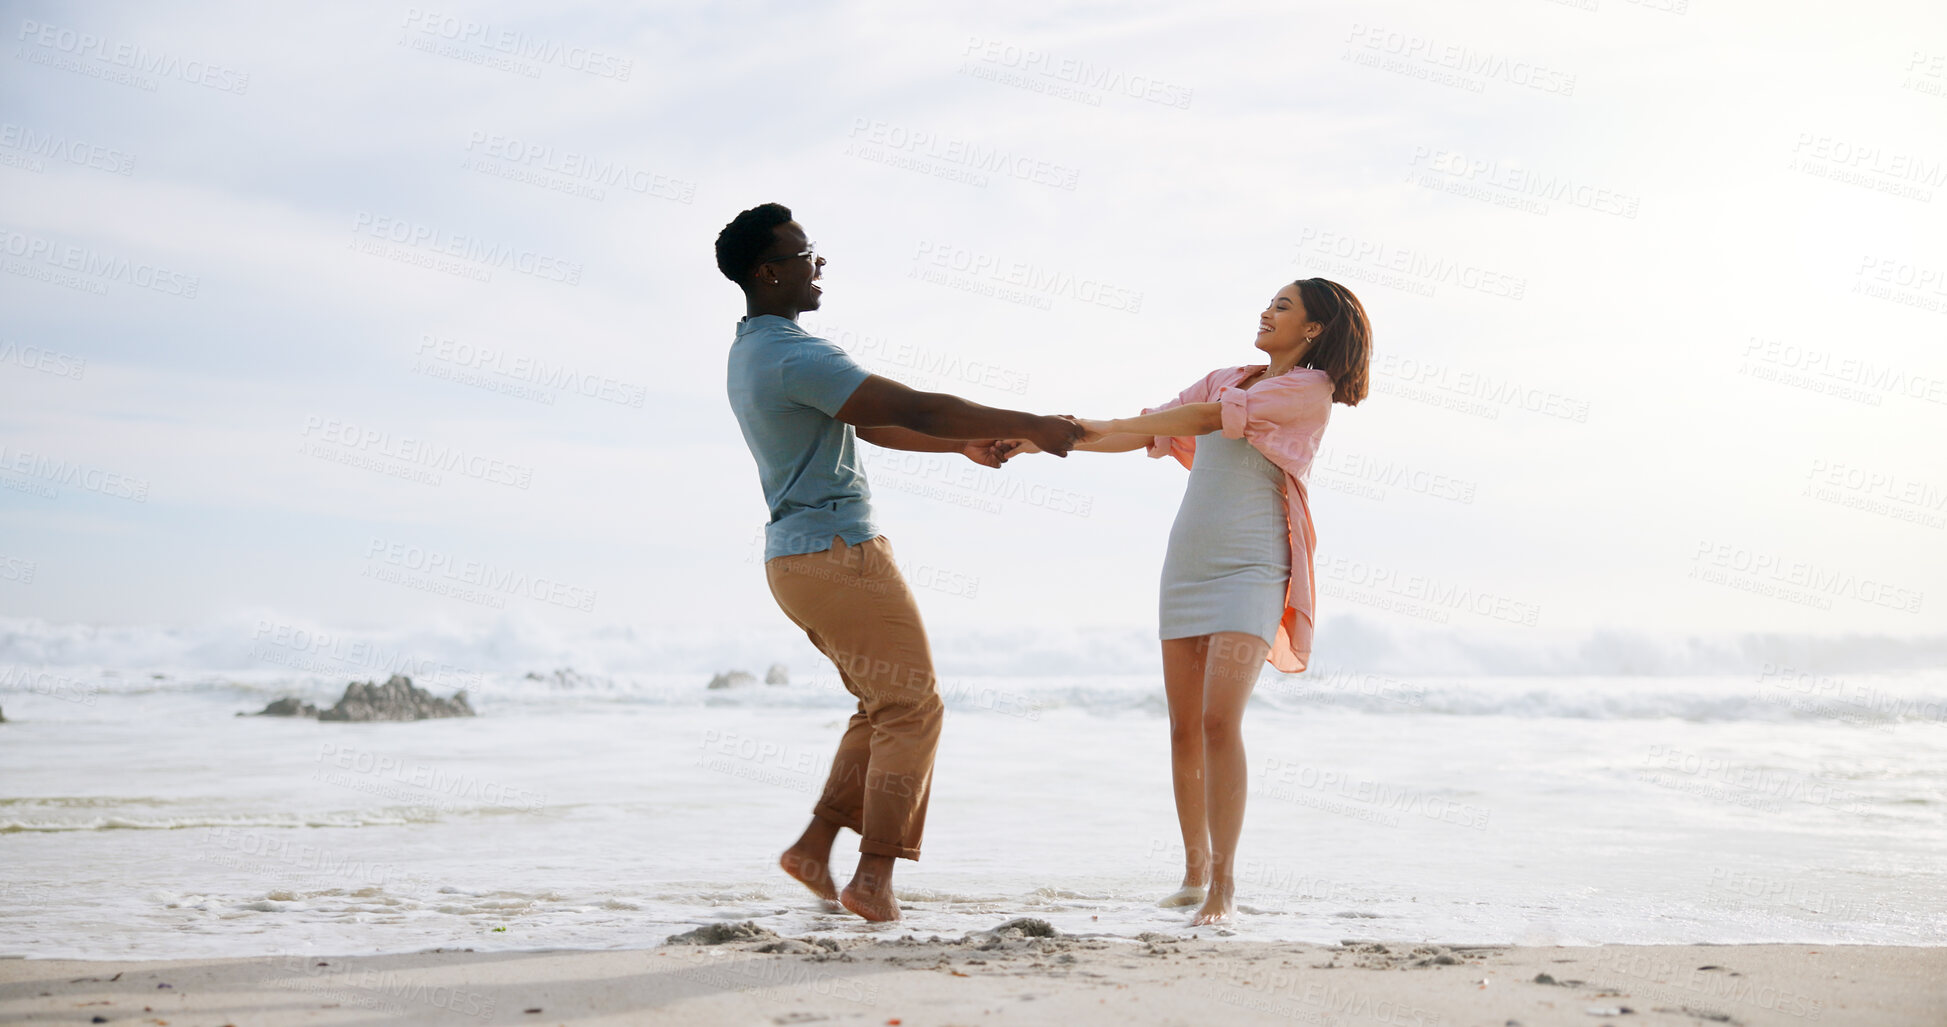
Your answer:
<point x="1284" y="417"/>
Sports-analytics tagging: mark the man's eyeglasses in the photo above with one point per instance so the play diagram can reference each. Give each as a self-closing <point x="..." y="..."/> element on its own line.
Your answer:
<point x="810" y="251"/>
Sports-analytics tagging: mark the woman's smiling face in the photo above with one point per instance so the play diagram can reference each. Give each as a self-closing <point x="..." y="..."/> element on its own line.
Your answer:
<point x="1284" y="327"/>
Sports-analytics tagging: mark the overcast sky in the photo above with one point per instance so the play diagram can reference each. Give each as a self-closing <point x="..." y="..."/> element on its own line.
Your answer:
<point x="381" y="316"/>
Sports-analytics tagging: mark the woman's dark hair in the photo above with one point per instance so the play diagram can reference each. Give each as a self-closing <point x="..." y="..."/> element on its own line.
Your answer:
<point x="1344" y="346"/>
<point x="746" y="237"/>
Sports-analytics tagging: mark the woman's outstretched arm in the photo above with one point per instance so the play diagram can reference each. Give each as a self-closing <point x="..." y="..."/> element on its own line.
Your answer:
<point x="1126" y="434"/>
<point x="1118" y="443"/>
<point x="1184" y="419"/>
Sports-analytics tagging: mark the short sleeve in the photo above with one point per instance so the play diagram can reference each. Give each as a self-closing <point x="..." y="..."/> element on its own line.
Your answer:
<point x="1284" y="417"/>
<point x="1183" y="447"/>
<point x="820" y="374"/>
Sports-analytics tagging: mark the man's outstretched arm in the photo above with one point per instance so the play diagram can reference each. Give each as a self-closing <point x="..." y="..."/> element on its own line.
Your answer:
<point x="986" y="452"/>
<point x="881" y="402"/>
<point x="892" y="437"/>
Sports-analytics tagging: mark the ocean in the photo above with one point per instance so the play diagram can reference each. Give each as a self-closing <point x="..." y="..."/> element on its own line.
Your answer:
<point x="140" y="817"/>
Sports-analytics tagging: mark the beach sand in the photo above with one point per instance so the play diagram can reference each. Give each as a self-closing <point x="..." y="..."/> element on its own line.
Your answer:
<point x="1011" y="974"/>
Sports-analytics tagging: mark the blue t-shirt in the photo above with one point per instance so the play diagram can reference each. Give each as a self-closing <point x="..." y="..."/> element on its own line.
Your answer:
<point x="785" y="386"/>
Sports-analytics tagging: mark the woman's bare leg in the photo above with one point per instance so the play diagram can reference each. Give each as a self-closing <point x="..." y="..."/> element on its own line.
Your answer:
<point x="1183" y="660"/>
<point x="1231" y="665"/>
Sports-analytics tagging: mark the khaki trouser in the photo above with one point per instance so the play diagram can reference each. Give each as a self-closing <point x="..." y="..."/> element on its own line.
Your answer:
<point x="855" y="606"/>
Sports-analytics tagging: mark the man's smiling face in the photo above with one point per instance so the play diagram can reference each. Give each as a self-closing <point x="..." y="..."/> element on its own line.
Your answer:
<point x="787" y="265"/>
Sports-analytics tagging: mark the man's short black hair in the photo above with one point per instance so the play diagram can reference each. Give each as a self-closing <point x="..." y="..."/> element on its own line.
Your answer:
<point x="745" y="239"/>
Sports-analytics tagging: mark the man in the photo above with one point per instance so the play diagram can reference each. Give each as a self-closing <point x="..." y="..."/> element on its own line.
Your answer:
<point x="802" y="402"/>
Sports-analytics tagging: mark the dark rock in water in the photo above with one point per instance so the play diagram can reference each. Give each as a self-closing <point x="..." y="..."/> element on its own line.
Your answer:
<point x="723" y="934"/>
<point x="397" y="699"/>
<point x="777" y="675"/>
<point x="1031" y="927"/>
<point x="568" y="677"/>
<point x="3" y="718"/>
<point x="287" y="707"/>
<point x="733" y="679"/>
<point x="1023" y="934"/>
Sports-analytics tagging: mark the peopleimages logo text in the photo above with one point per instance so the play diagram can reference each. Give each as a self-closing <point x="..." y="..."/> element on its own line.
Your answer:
<point x="132" y="58"/>
<point x="516" y="43"/>
<point x="467" y="247"/>
<point x="440" y="565"/>
<point x="85" y="260"/>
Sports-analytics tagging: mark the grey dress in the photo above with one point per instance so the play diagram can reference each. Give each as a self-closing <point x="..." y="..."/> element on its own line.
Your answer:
<point x="1229" y="560"/>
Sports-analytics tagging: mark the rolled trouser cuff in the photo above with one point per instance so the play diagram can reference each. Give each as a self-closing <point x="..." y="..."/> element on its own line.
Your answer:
<point x="837" y="816"/>
<point x="871" y="848"/>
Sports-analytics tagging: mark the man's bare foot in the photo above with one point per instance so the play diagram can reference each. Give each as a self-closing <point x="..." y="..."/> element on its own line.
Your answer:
<point x="870" y="893"/>
<point x="876" y="907"/>
<point x="808" y="860"/>
<point x="1219" y="908"/>
<point x="811" y="870"/>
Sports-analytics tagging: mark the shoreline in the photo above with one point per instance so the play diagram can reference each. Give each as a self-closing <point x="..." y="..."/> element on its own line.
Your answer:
<point x="1019" y="972"/>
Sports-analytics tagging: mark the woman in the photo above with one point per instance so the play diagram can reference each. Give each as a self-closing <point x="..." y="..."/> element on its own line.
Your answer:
<point x="1237" y="579"/>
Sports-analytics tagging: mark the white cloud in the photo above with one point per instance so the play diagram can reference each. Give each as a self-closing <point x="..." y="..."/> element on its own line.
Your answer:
<point x="1212" y="149"/>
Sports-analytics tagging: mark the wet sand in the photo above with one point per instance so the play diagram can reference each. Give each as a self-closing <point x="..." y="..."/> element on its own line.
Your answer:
<point x="1024" y="973"/>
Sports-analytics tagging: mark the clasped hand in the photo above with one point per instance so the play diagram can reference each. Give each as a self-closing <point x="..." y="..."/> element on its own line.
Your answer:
<point x="995" y="452"/>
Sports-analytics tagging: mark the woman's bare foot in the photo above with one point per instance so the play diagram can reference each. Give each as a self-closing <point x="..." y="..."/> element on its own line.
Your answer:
<point x="1188" y="895"/>
<point x="870" y="893"/>
<point x="811" y="870"/>
<point x="1196" y="880"/>
<point x="1219" y="908"/>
